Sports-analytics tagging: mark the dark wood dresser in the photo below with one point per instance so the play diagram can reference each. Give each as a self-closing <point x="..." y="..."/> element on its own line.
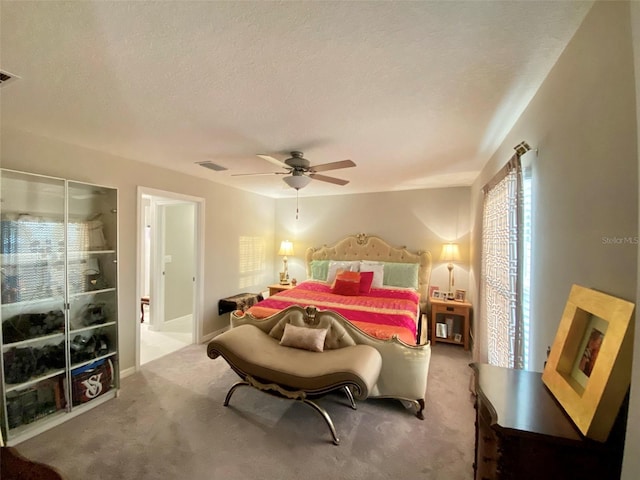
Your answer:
<point x="522" y="433"/>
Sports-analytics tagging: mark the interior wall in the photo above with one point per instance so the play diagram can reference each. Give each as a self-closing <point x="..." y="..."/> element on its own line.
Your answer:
<point x="179" y="270"/>
<point x="418" y="219"/>
<point x="585" y="185"/>
<point x="631" y="465"/>
<point x="230" y="215"/>
<point x="585" y="177"/>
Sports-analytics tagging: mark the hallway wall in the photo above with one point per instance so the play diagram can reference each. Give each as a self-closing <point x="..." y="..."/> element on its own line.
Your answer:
<point x="179" y="271"/>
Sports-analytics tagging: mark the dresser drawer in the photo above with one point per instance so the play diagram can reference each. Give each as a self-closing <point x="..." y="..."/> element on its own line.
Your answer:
<point x="451" y="309"/>
<point x="487" y="453"/>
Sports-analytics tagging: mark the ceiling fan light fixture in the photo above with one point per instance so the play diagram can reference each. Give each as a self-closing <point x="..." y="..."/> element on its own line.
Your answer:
<point x="297" y="181"/>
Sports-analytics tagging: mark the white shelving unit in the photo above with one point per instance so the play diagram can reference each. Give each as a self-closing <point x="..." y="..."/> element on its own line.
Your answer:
<point x="59" y="300"/>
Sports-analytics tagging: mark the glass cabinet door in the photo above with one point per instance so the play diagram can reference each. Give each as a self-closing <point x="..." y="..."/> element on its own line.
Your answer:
<point x="92" y="290"/>
<point x="33" y="314"/>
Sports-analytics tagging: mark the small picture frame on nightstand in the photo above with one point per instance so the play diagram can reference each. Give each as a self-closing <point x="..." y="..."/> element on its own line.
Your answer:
<point x="436" y="294"/>
<point x="461" y="295"/>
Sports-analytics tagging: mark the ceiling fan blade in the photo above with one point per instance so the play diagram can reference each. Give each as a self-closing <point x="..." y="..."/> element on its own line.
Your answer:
<point x="258" y="174"/>
<point x="324" y="178"/>
<point x="332" y="166"/>
<point x="275" y="161"/>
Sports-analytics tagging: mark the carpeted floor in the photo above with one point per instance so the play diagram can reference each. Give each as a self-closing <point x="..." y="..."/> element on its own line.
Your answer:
<point x="169" y="423"/>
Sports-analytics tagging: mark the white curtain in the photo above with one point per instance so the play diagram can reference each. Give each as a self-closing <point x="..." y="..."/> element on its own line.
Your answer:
<point x="500" y="342"/>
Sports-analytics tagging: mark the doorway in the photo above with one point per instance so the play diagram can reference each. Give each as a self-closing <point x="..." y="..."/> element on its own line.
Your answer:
<point x="169" y="274"/>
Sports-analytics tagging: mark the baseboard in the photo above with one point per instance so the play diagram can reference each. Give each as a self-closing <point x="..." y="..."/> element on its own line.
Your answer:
<point x="209" y="336"/>
<point x="162" y="325"/>
<point x="127" y="371"/>
<point x="178" y="319"/>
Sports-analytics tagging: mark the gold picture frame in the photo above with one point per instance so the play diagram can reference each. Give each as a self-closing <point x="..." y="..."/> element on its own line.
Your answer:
<point x="589" y="365"/>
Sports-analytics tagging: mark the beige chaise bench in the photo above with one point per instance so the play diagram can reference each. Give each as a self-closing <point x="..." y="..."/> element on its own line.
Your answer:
<point x="265" y="363"/>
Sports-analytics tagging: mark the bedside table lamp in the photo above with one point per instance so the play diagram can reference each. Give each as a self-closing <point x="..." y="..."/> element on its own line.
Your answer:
<point x="450" y="253"/>
<point x="286" y="248"/>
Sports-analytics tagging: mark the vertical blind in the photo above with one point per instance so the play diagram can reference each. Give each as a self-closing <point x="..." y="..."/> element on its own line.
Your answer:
<point x="500" y="287"/>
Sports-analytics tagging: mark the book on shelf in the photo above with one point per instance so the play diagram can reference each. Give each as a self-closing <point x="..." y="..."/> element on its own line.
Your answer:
<point x="449" y="322"/>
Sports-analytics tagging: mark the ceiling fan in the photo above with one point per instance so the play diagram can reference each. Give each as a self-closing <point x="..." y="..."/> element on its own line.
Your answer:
<point x="300" y="172"/>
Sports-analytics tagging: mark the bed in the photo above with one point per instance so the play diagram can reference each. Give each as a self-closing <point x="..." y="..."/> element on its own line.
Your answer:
<point x="387" y="318"/>
<point x="381" y="313"/>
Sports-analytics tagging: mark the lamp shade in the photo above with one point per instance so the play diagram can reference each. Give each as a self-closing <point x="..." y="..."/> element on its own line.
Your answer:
<point x="450" y="253"/>
<point x="297" y="181"/>
<point x="286" y="248"/>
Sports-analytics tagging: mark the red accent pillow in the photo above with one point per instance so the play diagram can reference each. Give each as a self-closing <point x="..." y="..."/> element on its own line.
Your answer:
<point x="366" y="279"/>
<point x="347" y="283"/>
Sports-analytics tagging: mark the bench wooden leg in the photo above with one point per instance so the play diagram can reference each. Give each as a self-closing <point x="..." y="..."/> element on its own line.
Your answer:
<point x="143" y="301"/>
<point x="419" y="413"/>
<point x="418" y="404"/>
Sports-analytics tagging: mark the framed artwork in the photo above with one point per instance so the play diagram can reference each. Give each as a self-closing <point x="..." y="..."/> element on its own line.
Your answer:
<point x="461" y="296"/>
<point x="589" y="365"/>
<point x="432" y="289"/>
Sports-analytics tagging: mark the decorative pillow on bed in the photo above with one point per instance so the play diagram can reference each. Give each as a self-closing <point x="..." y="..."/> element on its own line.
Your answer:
<point x="319" y="270"/>
<point x="403" y="275"/>
<point x="304" y="337"/>
<point x="378" y="272"/>
<point x="334" y="267"/>
<point x="347" y="283"/>
<point x="366" y="279"/>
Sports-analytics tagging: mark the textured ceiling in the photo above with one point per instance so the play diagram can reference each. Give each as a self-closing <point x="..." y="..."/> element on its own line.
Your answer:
<point x="417" y="94"/>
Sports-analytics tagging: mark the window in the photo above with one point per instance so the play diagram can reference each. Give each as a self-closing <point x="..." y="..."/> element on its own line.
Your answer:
<point x="505" y="271"/>
<point x="527" y="192"/>
<point x="252" y="261"/>
<point x="34" y="257"/>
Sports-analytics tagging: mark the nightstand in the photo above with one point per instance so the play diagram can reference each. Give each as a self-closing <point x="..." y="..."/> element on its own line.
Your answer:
<point x="453" y="324"/>
<point x="276" y="287"/>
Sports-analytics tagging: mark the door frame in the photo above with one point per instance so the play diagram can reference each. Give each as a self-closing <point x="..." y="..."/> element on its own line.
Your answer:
<point x="166" y="197"/>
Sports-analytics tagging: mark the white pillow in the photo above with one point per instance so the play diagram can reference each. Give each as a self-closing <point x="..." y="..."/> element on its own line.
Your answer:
<point x="303" y="337"/>
<point x="378" y="272"/>
<point x="334" y="266"/>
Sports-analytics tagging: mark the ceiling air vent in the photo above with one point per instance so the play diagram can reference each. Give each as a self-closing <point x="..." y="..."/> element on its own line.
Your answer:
<point x="6" y="77"/>
<point x="212" y="166"/>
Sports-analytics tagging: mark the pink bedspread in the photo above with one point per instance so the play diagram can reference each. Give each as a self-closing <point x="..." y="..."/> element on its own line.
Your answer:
<point x="382" y="313"/>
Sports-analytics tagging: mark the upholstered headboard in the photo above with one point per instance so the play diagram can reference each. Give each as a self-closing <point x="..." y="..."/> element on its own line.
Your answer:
<point x="365" y="247"/>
